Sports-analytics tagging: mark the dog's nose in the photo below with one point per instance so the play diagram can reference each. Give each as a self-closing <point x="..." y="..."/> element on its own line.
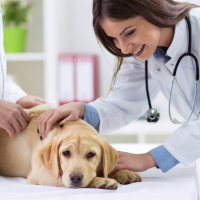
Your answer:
<point x="76" y="177"/>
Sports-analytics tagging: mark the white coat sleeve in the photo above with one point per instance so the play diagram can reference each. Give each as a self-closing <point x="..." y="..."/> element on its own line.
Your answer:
<point x="8" y="90"/>
<point x="127" y="101"/>
<point x="12" y="92"/>
<point x="184" y="143"/>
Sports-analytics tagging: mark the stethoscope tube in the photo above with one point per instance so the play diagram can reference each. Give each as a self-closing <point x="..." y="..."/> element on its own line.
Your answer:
<point x="146" y="83"/>
<point x="154" y="113"/>
<point x="188" y="53"/>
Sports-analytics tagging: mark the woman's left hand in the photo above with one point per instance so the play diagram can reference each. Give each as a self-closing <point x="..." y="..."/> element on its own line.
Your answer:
<point x="30" y="101"/>
<point x="134" y="162"/>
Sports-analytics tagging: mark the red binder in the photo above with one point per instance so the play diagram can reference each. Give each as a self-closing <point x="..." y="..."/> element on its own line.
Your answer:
<point x="78" y="78"/>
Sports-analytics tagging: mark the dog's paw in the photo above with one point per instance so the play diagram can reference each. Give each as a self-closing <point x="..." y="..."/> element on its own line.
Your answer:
<point x="126" y="176"/>
<point x="31" y="180"/>
<point x="104" y="183"/>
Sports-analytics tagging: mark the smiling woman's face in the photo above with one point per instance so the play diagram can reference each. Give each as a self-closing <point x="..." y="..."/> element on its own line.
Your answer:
<point x="135" y="35"/>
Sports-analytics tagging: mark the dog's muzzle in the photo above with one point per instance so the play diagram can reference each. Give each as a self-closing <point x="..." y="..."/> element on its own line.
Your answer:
<point x="76" y="178"/>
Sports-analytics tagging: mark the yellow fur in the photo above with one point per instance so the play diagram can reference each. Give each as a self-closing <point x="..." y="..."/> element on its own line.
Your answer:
<point x="43" y="162"/>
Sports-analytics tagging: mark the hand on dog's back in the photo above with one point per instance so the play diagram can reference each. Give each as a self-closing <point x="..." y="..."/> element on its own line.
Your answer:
<point x="12" y="117"/>
<point x="68" y="112"/>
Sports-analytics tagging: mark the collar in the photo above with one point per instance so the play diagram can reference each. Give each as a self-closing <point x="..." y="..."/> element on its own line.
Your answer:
<point x="160" y="54"/>
<point x="180" y="35"/>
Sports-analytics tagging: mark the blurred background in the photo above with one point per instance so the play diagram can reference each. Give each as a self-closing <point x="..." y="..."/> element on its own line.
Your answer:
<point x="57" y="28"/>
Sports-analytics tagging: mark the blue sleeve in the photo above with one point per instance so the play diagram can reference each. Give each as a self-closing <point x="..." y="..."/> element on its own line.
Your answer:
<point x="163" y="158"/>
<point x="91" y="116"/>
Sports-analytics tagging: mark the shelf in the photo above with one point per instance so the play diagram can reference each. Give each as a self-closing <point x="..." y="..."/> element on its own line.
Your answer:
<point x="141" y="127"/>
<point x="25" y="57"/>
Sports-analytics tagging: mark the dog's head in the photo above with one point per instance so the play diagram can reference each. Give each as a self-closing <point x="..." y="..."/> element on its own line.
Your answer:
<point x="77" y="153"/>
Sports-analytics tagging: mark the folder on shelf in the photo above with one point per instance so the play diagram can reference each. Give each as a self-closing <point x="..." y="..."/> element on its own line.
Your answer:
<point x="66" y="79"/>
<point x="86" y="78"/>
<point x="78" y="78"/>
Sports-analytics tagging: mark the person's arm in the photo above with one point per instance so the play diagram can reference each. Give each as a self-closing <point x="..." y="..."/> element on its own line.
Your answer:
<point x="91" y="116"/>
<point x="164" y="160"/>
<point x="12" y="92"/>
<point x="158" y="157"/>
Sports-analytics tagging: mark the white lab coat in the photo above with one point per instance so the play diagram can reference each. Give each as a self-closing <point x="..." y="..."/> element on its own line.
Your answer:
<point x="128" y="100"/>
<point x="9" y="91"/>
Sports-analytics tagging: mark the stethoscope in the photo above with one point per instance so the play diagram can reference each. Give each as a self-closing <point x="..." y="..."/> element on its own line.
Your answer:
<point x="152" y="115"/>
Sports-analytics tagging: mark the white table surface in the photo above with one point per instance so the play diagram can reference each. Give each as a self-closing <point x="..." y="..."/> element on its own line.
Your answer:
<point x="178" y="184"/>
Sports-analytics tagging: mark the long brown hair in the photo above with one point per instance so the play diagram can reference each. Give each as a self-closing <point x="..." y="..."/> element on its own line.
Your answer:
<point x="161" y="13"/>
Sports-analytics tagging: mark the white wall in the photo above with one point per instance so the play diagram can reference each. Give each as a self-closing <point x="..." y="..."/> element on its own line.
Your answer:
<point x="76" y="35"/>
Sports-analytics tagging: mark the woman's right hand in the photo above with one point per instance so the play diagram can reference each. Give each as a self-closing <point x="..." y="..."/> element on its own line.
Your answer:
<point x="68" y="112"/>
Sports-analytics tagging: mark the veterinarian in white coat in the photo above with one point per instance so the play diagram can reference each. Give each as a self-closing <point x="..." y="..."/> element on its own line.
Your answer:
<point x="12" y="98"/>
<point x="127" y="100"/>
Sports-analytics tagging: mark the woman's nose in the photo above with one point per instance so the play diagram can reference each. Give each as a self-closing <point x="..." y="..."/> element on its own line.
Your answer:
<point x="126" y="48"/>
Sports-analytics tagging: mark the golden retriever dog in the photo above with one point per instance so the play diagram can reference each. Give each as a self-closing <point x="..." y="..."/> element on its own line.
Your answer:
<point x="73" y="156"/>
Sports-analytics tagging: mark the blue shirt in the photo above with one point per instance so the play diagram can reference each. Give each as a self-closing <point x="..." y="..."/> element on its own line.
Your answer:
<point x="162" y="157"/>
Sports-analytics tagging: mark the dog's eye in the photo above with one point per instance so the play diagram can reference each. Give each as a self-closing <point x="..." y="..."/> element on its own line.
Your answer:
<point x="66" y="153"/>
<point x="90" y="155"/>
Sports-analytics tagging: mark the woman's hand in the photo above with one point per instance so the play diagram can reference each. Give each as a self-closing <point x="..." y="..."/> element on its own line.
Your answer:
<point x="134" y="162"/>
<point x="68" y="112"/>
<point x="30" y="101"/>
<point x="12" y="117"/>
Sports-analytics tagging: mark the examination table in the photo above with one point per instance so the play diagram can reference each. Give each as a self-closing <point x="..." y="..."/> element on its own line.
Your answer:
<point x="179" y="183"/>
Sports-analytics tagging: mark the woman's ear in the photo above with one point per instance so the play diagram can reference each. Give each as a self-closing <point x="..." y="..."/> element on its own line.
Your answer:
<point x="109" y="157"/>
<point x="49" y="156"/>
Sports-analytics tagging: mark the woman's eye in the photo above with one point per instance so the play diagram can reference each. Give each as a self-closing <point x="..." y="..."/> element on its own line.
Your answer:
<point x="130" y="33"/>
<point x="66" y="153"/>
<point x="90" y="155"/>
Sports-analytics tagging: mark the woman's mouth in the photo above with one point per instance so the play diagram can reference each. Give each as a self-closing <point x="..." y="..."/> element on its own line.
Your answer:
<point x="139" y="51"/>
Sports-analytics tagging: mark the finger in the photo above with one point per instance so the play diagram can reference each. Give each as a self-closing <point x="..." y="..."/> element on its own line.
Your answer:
<point x="42" y="117"/>
<point x="16" y="119"/>
<point x="16" y="125"/>
<point x="22" y="122"/>
<point x="71" y="117"/>
<point x="51" y="122"/>
<point x="44" y="114"/>
<point x="9" y="128"/>
<point x="35" y="103"/>
<point x="25" y="115"/>
<point x="32" y="103"/>
<point x="43" y="125"/>
<point x="39" y="99"/>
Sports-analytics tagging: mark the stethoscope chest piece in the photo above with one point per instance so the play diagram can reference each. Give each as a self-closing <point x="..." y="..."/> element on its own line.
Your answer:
<point x="152" y="115"/>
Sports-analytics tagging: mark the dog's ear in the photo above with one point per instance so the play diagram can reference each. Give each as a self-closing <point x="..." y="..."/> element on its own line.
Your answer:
<point x="49" y="155"/>
<point x="109" y="156"/>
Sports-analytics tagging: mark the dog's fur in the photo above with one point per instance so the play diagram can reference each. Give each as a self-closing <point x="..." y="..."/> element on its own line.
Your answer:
<point x="72" y="156"/>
